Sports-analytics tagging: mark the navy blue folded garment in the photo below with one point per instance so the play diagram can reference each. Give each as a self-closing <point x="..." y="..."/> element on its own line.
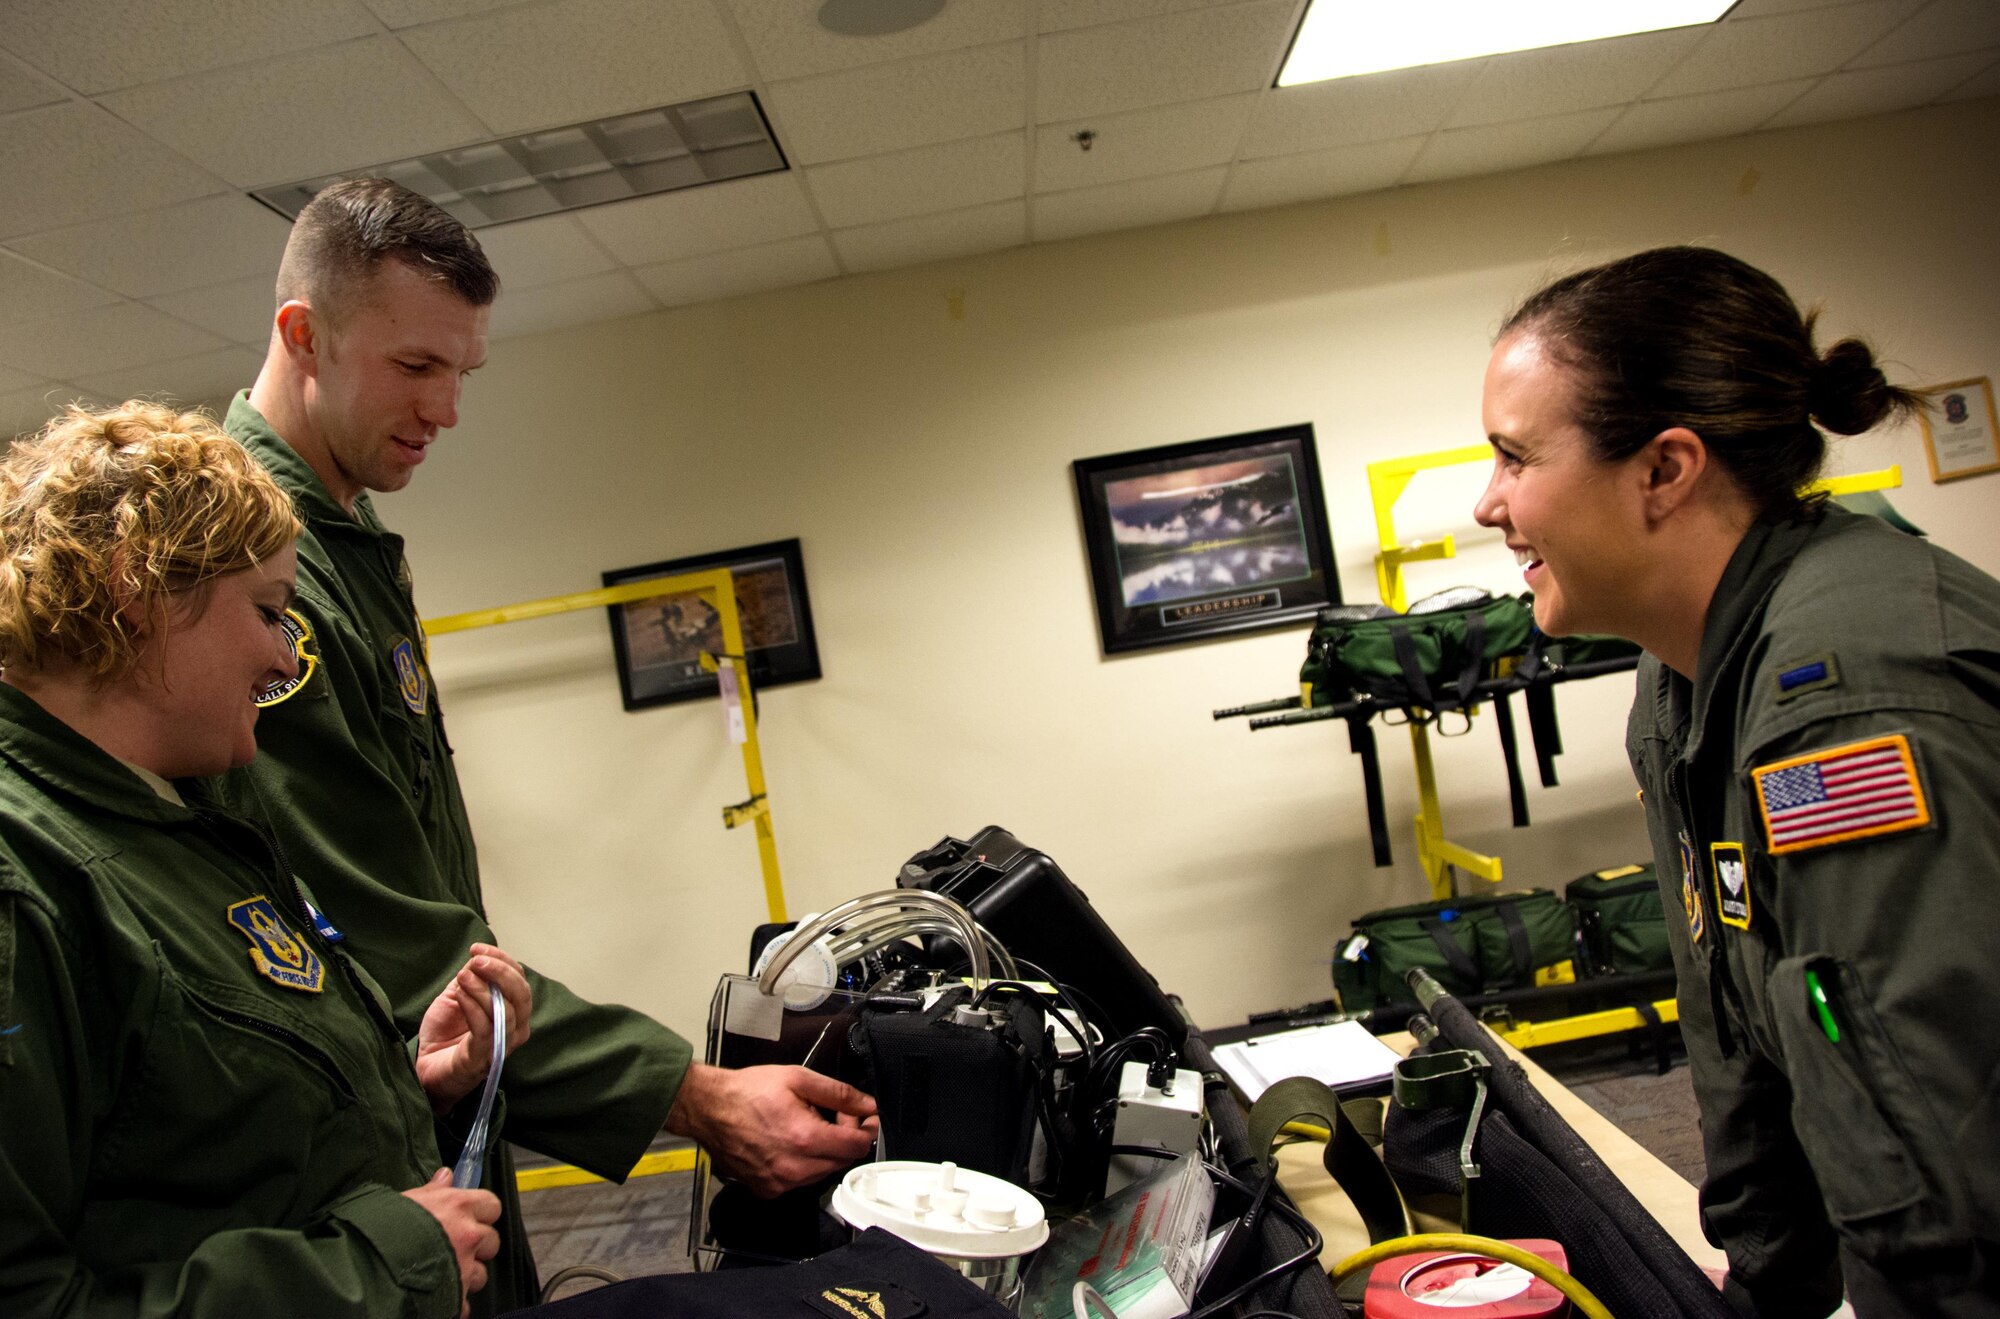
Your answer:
<point x="877" y="1276"/>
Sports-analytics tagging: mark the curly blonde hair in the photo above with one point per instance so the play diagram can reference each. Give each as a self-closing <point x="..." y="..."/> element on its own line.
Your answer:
<point x="106" y="516"/>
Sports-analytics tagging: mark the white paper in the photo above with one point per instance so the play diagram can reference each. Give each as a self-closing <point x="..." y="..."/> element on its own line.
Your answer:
<point x="1343" y="1053"/>
<point x="732" y="701"/>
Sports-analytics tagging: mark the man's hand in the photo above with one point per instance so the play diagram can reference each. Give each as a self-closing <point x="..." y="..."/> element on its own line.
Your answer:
<point x="467" y="1218"/>
<point x="763" y="1127"/>
<point x="455" y="1038"/>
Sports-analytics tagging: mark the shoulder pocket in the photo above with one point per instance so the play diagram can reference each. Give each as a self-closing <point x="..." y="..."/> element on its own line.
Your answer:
<point x="1884" y="1168"/>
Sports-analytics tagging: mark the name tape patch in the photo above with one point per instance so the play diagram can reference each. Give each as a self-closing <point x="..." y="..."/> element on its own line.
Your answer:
<point x="1859" y="790"/>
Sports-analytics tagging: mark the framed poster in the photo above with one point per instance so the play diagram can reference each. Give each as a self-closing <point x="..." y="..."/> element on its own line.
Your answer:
<point x="659" y="640"/>
<point x="1961" y="439"/>
<point x="1195" y="540"/>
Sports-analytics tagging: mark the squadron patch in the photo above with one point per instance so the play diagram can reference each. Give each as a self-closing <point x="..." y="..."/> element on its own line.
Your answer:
<point x="279" y="955"/>
<point x="1689" y="898"/>
<point x="1732" y="883"/>
<point x="1840" y="794"/>
<point x="300" y="634"/>
<point x="411" y="680"/>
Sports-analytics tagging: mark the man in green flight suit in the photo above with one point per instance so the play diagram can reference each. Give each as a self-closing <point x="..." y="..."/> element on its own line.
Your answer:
<point x="382" y="312"/>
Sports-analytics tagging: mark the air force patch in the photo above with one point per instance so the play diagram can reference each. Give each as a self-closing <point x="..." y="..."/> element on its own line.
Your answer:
<point x="1690" y="899"/>
<point x="300" y="634"/>
<point x="411" y="680"/>
<point x="279" y="955"/>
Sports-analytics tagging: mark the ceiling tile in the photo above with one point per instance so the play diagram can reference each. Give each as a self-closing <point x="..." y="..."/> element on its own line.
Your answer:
<point x="1181" y="57"/>
<point x="192" y="245"/>
<point x="786" y="42"/>
<point x="1695" y="118"/>
<point x="948" y="177"/>
<point x="240" y="311"/>
<point x="189" y="380"/>
<point x="543" y="65"/>
<point x="1559" y="79"/>
<point x="97" y="45"/>
<point x="338" y="108"/>
<point x="1060" y="15"/>
<point x="746" y="270"/>
<point x="1765" y="8"/>
<point x="28" y="292"/>
<point x="104" y="339"/>
<point x="1130" y="205"/>
<point x="1861" y="92"/>
<point x="1765" y="50"/>
<point x="70" y="163"/>
<point x="1983" y="84"/>
<point x="409" y="13"/>
<point x="933" y="237"/>
<point x="693" y="221"/>
<point x="890" y="107"/>
<point x="545" y="250"/>
<point x="1371" y="108"/>
<point x="1941" y="28"/>
<point x="1458" y="153"/>
<point x="21" y="88"/>
<point x="1282" y="180"/>
<point x="574" y="302"/>
<point x="1163" y="140"/>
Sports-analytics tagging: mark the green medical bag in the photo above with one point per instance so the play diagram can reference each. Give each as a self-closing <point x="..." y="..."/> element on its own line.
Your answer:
<point x="1621" y="920"/>
<point x="1471" y="945"/>
<point x="1429" y="660"/>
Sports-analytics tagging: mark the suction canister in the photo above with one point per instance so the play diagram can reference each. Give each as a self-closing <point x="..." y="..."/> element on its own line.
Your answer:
<point x="979" y="1225"/>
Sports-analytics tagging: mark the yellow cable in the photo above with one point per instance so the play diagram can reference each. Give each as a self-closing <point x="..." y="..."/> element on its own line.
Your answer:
<point x="1485" y="1247"/>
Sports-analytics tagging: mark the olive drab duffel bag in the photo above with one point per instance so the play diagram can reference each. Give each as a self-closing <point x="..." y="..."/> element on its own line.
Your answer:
<point x="1621" y="921"/>
<point x="1470" y="945"/>
<point x="1430" y="658"/>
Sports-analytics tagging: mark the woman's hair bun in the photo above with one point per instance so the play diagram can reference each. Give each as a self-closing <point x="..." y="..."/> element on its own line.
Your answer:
<point x="1848" y="393"/>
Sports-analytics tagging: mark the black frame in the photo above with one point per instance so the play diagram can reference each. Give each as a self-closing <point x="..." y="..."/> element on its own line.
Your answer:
<point x="671" y="672"/>
<point x="1169" y="611"/>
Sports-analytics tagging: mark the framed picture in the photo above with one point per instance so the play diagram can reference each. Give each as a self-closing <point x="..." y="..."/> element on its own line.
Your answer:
<point x="659" y="640"/>
<point x="1194" y="540"/>
<point x="1960" y="435"/>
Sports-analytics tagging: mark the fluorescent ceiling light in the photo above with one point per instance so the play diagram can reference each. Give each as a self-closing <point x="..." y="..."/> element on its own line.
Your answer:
<point x="565" y="169"/>
<point x="1342" y="38"/>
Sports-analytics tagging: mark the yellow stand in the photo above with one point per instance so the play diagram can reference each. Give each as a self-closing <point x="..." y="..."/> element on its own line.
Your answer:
<point x="1387" y="480"/>
<point x="716" y="586"/>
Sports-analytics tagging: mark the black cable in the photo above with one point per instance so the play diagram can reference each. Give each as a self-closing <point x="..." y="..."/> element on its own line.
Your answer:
<point x="1314" y="1243"/>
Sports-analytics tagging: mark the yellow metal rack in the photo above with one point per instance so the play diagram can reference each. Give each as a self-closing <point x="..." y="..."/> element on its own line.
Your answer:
<point x="717" y="587"/>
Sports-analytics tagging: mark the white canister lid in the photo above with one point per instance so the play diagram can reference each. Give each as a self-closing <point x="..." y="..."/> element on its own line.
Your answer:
<point x="942" y="1208"/>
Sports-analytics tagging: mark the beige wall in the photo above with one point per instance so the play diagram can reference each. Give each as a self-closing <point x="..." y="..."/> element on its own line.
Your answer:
<point x="924" y="461"/>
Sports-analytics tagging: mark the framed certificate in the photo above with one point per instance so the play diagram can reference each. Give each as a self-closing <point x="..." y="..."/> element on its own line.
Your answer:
<point x="1960" y="436"/>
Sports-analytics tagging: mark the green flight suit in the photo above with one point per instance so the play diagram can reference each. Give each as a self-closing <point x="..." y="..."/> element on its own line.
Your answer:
<point x="185" y="1133"/>
<point x="354" y="777"/>
<point x="1824" y="806"/>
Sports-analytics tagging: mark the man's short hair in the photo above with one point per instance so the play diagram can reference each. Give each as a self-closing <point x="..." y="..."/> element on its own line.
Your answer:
<point x="346" y="232"/>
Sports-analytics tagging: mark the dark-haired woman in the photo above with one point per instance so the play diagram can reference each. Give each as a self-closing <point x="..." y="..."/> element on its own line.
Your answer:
<point x="1817" y="739"/>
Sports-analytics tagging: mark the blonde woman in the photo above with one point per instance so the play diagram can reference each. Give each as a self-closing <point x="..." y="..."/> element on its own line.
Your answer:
<point x="207" y="1110"/>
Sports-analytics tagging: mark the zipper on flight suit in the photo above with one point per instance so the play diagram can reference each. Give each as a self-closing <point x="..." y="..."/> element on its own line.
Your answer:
<point x="1721" y="989"/>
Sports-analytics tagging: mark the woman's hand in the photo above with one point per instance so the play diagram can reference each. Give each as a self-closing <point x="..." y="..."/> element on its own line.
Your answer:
<point x="455" y="1039"/>
<point x="467" y="1218"/>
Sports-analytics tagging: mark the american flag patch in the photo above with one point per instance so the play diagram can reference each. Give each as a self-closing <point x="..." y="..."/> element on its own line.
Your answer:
<point x="1840" y="794"/>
